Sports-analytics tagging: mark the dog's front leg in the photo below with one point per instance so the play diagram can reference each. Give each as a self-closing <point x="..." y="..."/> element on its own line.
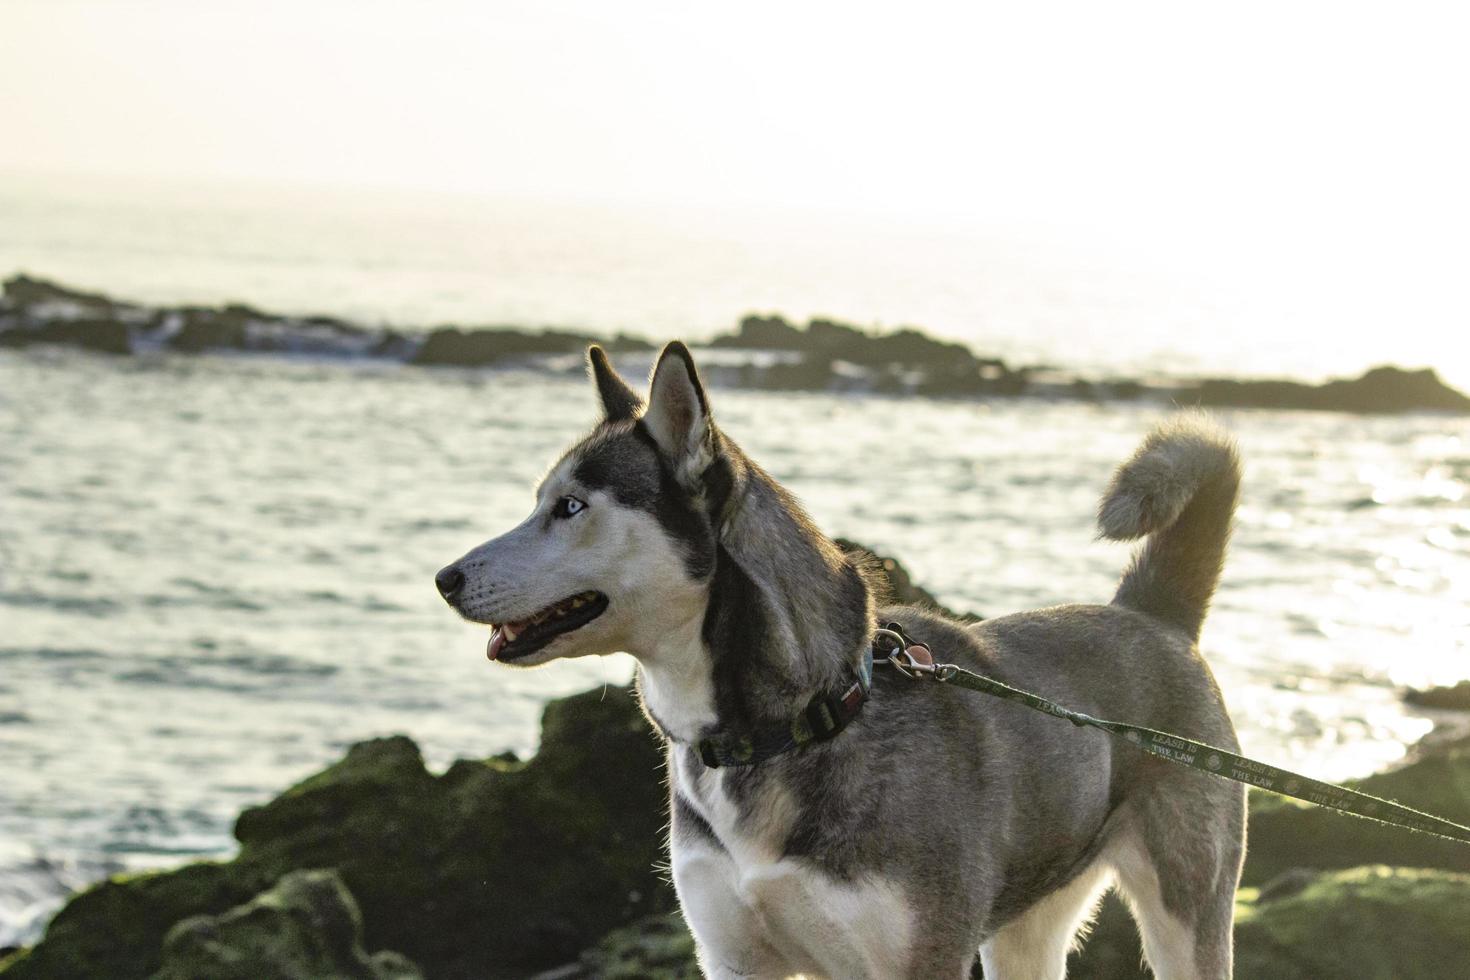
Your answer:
<point x="728" y="934"/>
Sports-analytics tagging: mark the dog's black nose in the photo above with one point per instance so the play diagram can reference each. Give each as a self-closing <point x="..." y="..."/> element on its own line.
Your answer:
<point x="449" y="580"/>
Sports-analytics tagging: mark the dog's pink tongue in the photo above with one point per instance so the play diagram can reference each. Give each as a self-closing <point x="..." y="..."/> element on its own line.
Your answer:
<point x="497" y="643"/>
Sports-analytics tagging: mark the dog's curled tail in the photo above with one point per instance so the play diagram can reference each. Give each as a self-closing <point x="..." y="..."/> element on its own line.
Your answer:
<point x="1180" y="490"/>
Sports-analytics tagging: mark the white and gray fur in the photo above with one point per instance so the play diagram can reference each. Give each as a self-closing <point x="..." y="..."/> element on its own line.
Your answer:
<point x="940" y="825"/>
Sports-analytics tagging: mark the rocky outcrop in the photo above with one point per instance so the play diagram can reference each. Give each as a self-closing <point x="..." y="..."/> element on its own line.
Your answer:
<point x="773" y="355"/>
<point x="478" y="348"/>
<point x="307" y="925"/>
<point x="1454" y="698"/>
<point x="1382" y="389"/>
<point x="1372" y="923"/>
<point x="204" y="329"/>
<point x="22" y="291"/>
<point x="900" y="585"/>
<point x="1285" y="834"/>
<point x="102" y="335"/>
<point x="495" y="869"/>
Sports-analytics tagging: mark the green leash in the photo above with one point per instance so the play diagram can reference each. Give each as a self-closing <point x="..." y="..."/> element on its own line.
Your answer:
<point x="1183" y="751"/>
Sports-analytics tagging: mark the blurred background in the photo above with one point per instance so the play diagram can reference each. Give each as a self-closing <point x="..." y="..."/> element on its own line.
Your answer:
<point x="216" y="565"/>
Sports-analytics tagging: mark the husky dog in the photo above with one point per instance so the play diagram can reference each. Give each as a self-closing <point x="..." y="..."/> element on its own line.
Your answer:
<point x="938" y="825"/>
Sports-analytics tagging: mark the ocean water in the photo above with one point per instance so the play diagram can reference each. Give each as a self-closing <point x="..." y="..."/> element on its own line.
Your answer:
<point x="216" y="572"/>
<point x="1093" y="300"/>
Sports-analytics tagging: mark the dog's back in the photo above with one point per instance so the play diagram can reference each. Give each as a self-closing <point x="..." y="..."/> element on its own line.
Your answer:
<point x="1056" y="812"/>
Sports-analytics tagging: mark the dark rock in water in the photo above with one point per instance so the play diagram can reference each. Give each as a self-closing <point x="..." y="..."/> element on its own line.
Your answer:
<point x="810" y="372"/>
<point x="306" y="926"/>
<point x="205" y="329"/>
<point x="901" y="586"/>
<point x="1455" y="698"/>
<point x="1392" y="389"/>
<point x="626" y="343"/>
<point x="105" y="336"/>
<point x="837" y="338"/>
<point x="763" y="333"/>
<point x="830" y="340"/>
<point x="1383" y="389"/>
<point x="23" y="291"/>
<point x="1124" y="389"/>
<point x="910" y="347"/>
<point x="831" y="355"/>
<point x="474" y="348"/>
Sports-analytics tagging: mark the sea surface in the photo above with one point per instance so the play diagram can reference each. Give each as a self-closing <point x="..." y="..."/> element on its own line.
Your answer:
<point x="216" y="571"/>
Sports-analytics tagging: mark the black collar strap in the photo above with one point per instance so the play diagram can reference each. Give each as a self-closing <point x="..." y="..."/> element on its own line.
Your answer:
<point x="823" y="718"/>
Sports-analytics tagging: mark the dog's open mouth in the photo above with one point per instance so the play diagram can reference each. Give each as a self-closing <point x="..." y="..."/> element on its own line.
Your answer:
<point x="510" y="641"/>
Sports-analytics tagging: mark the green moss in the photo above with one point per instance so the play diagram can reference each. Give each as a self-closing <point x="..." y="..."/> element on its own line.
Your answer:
<point x="1285" y="834"/>
<point x="306" y="926"/>
<point x="497" y="868"/>
<point x="116" y="927"/>
<point x="657" y="948"/>
<point x="1373" y="923"/>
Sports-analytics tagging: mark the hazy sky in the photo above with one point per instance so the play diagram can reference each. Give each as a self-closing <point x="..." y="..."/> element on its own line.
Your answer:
<point x="1323" y="146"/>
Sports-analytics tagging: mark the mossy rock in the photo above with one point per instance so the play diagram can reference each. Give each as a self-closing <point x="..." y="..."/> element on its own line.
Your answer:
<point x="1284" y="834"/>
<point x="1455" y="698"/>
<point x="116" y="927"/>
<point x="1372" y="923"/>
<point x="306" y="926"/>
<point x="901" y="587"/>
<point x="475" y="348"/>
<point x="659" y="947"/>
<point x="495" y="869"/>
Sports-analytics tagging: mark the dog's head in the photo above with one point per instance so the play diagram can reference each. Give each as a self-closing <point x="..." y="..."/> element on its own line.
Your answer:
<point x="618" y="551"/>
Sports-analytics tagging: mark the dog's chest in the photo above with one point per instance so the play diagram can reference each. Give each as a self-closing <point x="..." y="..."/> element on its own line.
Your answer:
<point x="741" y="892"/>
<point x="751" y="820"/>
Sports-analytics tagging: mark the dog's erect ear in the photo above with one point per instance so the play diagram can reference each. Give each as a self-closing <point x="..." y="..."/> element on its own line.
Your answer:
<point x="619" y="402"/>
<point x="678" y="413"/>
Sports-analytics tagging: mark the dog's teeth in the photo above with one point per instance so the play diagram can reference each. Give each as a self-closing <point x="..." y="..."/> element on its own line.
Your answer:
<point x="510" y="633"/>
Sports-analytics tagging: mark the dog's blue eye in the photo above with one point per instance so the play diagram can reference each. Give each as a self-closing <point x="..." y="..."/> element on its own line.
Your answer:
<point x="567" y="506"/>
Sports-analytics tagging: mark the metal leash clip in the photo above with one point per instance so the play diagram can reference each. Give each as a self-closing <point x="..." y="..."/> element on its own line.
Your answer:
<point x="910" y="658"/>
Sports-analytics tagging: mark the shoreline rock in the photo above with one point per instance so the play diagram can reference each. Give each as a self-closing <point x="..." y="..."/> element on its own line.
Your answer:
<point x="764" y="352"/>
<point x="1453" y="698"/>
<point x="306" y="925"/>
<point x="497" y="868"/>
